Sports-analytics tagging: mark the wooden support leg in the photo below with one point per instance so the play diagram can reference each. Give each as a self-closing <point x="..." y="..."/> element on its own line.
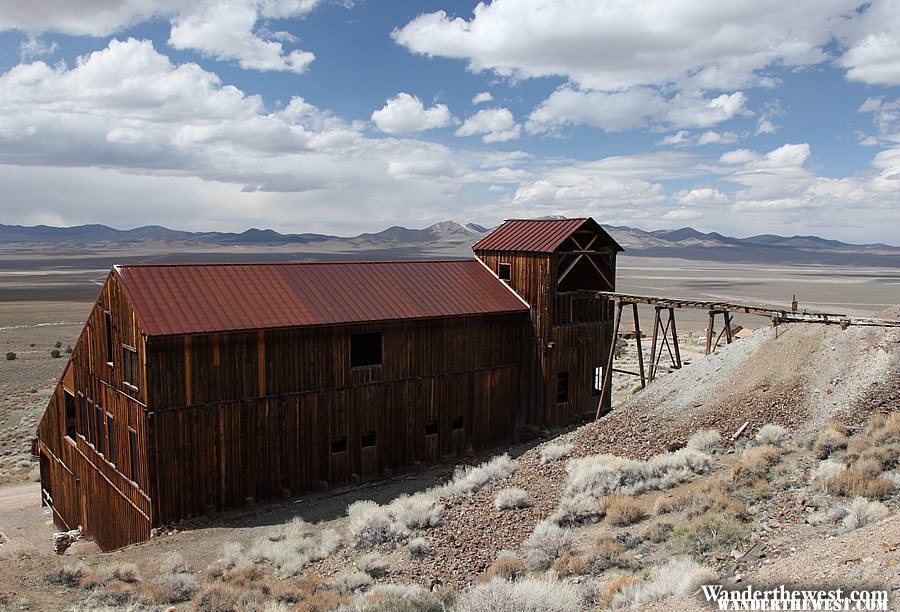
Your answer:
<point x="653" y="359"/>
<point x="640" y="349"/>
<point x="675" y="339"/>
<point x="607" y="374"/>
<point x="709" y="331"/>
<point x="727" y="316"/>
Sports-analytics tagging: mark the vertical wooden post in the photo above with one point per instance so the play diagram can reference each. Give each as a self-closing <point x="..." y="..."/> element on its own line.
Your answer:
<point x="656" y="325"/>
<point x="607" y="374"/>
<point x="727" y="316"/>
<point x="709" y="331"/>
<point x="637" y="337"/>
<point x="675" y="339"/>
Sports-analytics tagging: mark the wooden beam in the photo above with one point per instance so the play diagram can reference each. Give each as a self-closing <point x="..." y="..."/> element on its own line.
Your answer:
<point x="709" y="331"/>
<point x="653" y="359"/>
<point x="607" y="374"/>
<point x="675" y="339"/>
<point x="637" y="337"/>
<point x="569" y="269"/>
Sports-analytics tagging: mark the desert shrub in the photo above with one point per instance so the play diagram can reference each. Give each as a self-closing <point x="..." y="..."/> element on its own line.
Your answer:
<point x="754" y="464"/>
<point x="352" y="582"/>
<point x="404" y="598"/>
<point x="545" y="543"/>
<point x="68" y="576"/>
<point x="854" y="483"/>
<point x="868" y="467"/>
<point x="892" y="477"/>
<point x="856" y="444"/>
<point x="885" y="456"/>
<point x="622" y="509"/>
<point x="511" y="498"/>
<point x="219" y="597"/>
<point x="608" y="553"/>
<point x="705" y="441"/>
<point x="678" y="576"/>
<point x="714" y="530"/>
<point x="825" y="472"/>
<point x="468" y="480"/>
<point x="507" y="566"/>
<point x="885" y="428"/>
<point x="320" y="601"/>
<point x="622" y="582"/>
<point x="590" y="478"/>
<point x="290" y="547"/>
<point x="555" y="452"/>
<point x="828" y="442"/>
<point x="173" y="587"/>
<point x="371" y="525"/>
<point x="776" y="435"/>
<point x="861" y="511"/>
<point x="526" y="595"/>
<point x="68" y="350"/>
<point x="673" y="502"/>
<point x="570" y="564"/>
<point x="657" y="532"/>
<point x="55" y="353"/>
<point x="373" y="564"/>
<point x="10" y="356"/>
<point x="418" y="548"/>
<point x="57" y="344"/>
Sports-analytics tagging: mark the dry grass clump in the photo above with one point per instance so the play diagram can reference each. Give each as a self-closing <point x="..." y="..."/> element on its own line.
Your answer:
<point x="622" y="582"/>
<point x="68" y="576"/>
<point x="570" y="564"/>
<point x="545" y="544"/>
<point x="678" y="576"/>
<point x="403" y="598"/>
<point x="418" y="548"/>
<point x="322" y="601"/>
<point x="526" y="595"/>
<point x="608" y="553"/>
<point x="555" y="452"/>
<point x="622" y="509"/>
<point x="511" y="498"/>
<point x="856" y="444"/>
<point x="855" y="483"/>
<point x="507" y="566"/>
<point x="657" y="532"/>
<point x="755" y="464"/>
<point x="825" y="472"/>
<point x="861" y="512"/>
<point x="885" y="456"/>
<point x="716" y="530"/>
<point x="590" y="478"/>
<point x="175" y="584"/>
<point x="705" y="441"/>
<point x="106" y="574"/>
<point x="372" y="564"/>
<point x="828" y="442"/>
<point x="352" y="582"/>
<point x="673" y="502"/>
<point x="288" y="548"/>
<point x="884" y="429"/>
<point x="468" y="480"/>
<point x="776" y="435"/>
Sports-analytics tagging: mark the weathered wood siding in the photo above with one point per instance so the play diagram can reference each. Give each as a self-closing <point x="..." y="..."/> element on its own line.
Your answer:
<point x="104" y="492"/>
<point x="255" y="414"/>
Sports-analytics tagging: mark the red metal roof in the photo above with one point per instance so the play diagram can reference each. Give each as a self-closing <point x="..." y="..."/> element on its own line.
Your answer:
<point x="202" y="298"/>
<point x="537" y="235"/>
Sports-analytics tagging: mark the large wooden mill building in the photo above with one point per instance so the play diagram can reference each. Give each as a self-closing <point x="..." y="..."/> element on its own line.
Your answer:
<point x="195" y="388"/>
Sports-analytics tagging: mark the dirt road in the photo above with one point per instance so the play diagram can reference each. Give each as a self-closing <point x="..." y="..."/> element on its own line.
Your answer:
<point x="20" y="496"/>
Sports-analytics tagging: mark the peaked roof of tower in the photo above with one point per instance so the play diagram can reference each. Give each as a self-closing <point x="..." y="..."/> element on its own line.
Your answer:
<point x="205" y="298"/>
<point x="539" y="235"/>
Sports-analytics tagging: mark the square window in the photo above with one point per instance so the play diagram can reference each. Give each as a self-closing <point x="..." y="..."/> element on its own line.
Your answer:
<point x="432" y="428"/>
<point x="368" y="439"/>
<point x="457" y="423"/>
<point x="365" y="349"/>
<point x="562" y="387"/>
<point x="339" y="445"/>
<point x="504" y="271"/>
<point x="131" y="369"/>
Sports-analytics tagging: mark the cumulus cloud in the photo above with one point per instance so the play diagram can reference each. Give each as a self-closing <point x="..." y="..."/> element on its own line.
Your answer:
<point x="34" y="47"/>
<point x="702" y="195"/>
<point x="872" y="44"/>
<point x="615" y="46"/>
<point x="223" y="30"/>
<point x="635" y="108"/>
<point x="493" y="124"/>
<point x="481" y="98"/>
<point x="405" y="113"/>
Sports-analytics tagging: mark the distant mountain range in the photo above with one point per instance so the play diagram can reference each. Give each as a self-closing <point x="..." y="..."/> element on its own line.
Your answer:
<point x="686" y="242"/>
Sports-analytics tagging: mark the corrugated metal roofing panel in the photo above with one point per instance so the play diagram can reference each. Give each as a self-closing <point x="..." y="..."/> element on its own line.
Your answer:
<point x="536" y="235"/>
<point x="205" y="298"/>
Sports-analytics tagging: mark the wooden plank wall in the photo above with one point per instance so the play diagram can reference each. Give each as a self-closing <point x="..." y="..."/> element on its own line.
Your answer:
<point x="232" y="444"/>
<point x="105" y="498"/>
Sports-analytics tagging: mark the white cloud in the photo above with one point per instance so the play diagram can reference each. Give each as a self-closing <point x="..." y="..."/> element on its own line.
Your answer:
<point x="221" y="29"/>
<point x="701" y="195"/>
<point x="738" y="156"/>
<point x="405" y="113"/>
<point x="33" y="47"/>
<point x="480" y="98"/>
<point x="682" y="214"/>
<point x="713" y="137"/>
<point x="635" y="108"/>
<point x="679" y="137"/>
<point x="494" y="124"/>
<point x="885" y="116"/>
<point x="615" y="46"/>
<point x="872" y="42"/>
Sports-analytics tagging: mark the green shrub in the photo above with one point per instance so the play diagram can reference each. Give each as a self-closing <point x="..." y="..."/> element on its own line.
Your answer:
<point x="58" y="344"/>
<point x="10" y="356"/>
<point x="55" y="353"/>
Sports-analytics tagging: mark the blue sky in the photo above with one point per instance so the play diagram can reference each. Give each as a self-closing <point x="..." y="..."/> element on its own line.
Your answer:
<point x="343" y="117"/>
